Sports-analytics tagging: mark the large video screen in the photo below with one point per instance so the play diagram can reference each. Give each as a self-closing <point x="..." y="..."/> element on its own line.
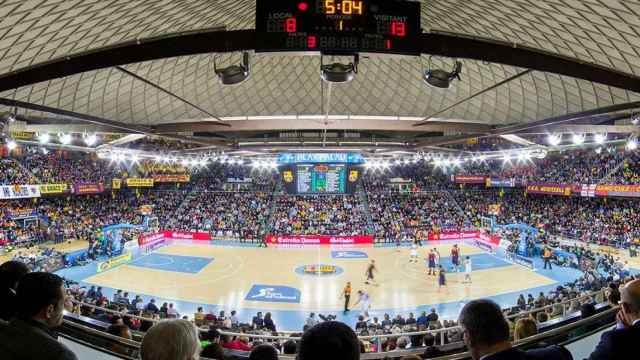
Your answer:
<point x="320" y="178"/>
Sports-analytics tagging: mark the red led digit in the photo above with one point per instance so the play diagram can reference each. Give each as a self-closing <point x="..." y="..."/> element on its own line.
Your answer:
<point x="290" y="25"/>
<point x="398" y="28"/>
<point x="388" y="44"/>
<point x="311" y="41"/>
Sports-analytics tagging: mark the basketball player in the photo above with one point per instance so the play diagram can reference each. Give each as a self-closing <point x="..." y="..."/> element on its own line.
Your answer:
<point x="455" y="257"/>
<point x="370" y="270"/>
<point x="431" y="259"/>
<point x="435" y="250"/>
<point x="442" y="281"/>
<point x="346" y="293"/>
<point x="467" y="270"/>
<point x="413" y="256"/>
<point x="365" y="303"/>
<point x="398" y="243"/>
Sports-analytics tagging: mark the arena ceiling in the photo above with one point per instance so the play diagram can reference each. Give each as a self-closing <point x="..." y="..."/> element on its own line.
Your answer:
<point x="34" y="33"/>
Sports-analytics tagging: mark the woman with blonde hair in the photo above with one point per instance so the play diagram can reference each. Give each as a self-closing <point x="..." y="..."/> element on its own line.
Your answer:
<point x="524" y="328"/>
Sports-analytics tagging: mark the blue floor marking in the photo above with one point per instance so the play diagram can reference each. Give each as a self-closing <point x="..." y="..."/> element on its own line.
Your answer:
<point x="174" y="263"/>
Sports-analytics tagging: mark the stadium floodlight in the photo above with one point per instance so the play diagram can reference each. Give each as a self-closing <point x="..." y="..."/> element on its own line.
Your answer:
<point x="65" y="139"/>
<point x="578" y="139"/>
<point x="45" y="151"/>
<point x="184" y="162"/>
<point x="273" y="164"/>
<point x="457" y="162"/>
<point x="632" y="144"/>
<point x="506" y="158"/>
<point x="202" y="162"/>
<point x="234" y="74"/>
<point x="11" y="145"/>
<point x="90" y="139"/>
<point x="44" y="138"/>
<point x="554" y="139"/>
<point x="135" y="158"/>
<point x="600" y="138"/>
<point x="598" y="150"/>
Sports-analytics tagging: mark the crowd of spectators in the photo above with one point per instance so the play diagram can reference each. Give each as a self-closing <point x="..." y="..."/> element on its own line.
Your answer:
<point x="318" y="214"/>
<point x="11" y="173"/>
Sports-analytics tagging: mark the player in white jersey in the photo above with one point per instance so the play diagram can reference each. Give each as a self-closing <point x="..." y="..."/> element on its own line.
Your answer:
<point x="365" y="303"/>
<point x="413" y="255"/>
<point x="467" y="270"/>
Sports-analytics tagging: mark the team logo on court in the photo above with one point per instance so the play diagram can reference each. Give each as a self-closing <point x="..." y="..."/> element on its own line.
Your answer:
<point x="349" y="255"/>
<point x="319" y="270"/>
<point x="273" y="293"/>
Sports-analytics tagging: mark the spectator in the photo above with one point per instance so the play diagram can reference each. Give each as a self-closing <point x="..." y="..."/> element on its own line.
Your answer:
<point x="121" y="331"/>
<point x="10" y="273"/>
<point x="171" y="340"/>
<point x="213" y="351"/>
<point x="312" y="320"/>
<point x="524" y="328"/>
<point x="329" y="340"/>
<point x="41" y="300"/>
<point x="268" y="322"/>
<point x="486" y="334"/>
<point x="433" y="316"/>
<point x="263" y="352"/>
<point x="257" y="322"/>
<point x="289" y="347"/>
<point x="151" y="307"/>
<point x="621" y="343"/>
<point x="430" y="351"/>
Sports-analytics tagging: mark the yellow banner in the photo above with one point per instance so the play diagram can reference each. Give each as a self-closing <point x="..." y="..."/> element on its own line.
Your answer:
<point x="114" y="261"/>
<point x="171" y="178"/>
<point x="23" y="135"/>
<point x="53" y="188"/>
<point x="137" y="182"/>
<point x="116" y="184"/>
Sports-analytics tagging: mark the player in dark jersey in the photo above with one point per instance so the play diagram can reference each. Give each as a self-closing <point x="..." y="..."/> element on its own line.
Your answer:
<point x="431" y="260"/>
<point x="455" y="257"/>
<point x="371" y="268"/>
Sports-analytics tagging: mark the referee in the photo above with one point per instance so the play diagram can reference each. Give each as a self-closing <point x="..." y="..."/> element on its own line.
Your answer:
<point x="346" y="293"/>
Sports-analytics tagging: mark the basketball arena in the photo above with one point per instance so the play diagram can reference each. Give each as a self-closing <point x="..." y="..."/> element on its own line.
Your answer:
<point x="321" y="179"/>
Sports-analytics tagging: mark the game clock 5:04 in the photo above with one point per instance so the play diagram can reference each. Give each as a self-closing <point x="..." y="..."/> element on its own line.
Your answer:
<point x="338" y="26"/>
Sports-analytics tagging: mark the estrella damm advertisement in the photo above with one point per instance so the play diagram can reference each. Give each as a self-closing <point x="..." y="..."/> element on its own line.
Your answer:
<point x="139" y="182"/>
<point x="113" y="262"/>
<point x="53" y="188"/>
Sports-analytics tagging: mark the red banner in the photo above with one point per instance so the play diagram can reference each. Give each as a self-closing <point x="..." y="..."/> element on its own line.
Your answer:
<point x="149" y="238"/>
<point x="181" y="235"/>
<point x="453" y="235"/>
<point x="618" y="190"/>
<point x="493" y="240"/>
<point x="82" y="189"/>
<point x="469" y="179"/>
<point x="171" y="178"/>
<point x="319" y="239"/>
<point x="550" y="189"/>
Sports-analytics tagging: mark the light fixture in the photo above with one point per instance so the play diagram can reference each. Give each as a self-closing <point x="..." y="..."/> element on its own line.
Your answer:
<point x="339" y="73"/>
<point x="44" y="138"/>
<point x="598" y="150"/>
<point x="45" y="151"/>
<point x="11" y="117"/>
<point x="65" y="139"/>
<point x="440" y="78"/>
<point x="578" y="139"/>
<point x="90" y="139"/>
<point x="600" y="138"/>
<point x="11" y="145"/>
<point x="234" y="74"/>
<point x="184" y="162"/>
<point x="554" y="139"/>
<point x="632" y="144"/>
<point x="135" y="158"/>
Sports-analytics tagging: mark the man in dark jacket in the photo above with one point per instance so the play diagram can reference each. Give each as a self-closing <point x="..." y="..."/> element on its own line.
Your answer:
<point x="30" y="335"/>
<point x="10" y="273"/>
<point x="622" y="342"/>
<point x="486" y="334"/>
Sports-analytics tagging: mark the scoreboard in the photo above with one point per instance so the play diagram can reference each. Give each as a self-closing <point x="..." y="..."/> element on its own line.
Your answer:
<point x="321" y="179"/>
<point x="338" y="26"/>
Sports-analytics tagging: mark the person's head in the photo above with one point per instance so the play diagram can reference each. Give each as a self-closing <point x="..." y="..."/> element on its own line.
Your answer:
<point x="587" y="310"/>
<point x="184" y="344"/>
<point x="542" y="317"/>
<point x="524" y="328"/>
<point x="386" y="316"/>
<point x="289" y="347"/>
<point x="484" y="327"/>
<point x="259" y="314"/>
<point x="429" y="340"/>
<point x="267" y="315"/>
<point x="233" y="312"/>
<point x="120" y="330"/>
<point x="312" y="315"/>
<point x="433" y="310"/>
<point x="41" y="296"/>
<point x="10" y="273"/>
<point x="329" y="340"/>
<point x="263" y="352"/>
<point x="213" y="351"/>
<point x="630" y="301"/>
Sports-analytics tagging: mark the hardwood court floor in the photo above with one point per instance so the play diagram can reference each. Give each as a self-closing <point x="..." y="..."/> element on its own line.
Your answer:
<point x="223" y="276"/>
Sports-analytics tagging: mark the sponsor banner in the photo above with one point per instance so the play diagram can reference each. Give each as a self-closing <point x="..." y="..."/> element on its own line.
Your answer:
<point x="19" y="191"/>
<point x="240" y="180"/>
<point x="521" y="260"/>
<point x="171" y="178"/>
<point x="549" y="189"/>
<point x="113" y="262"/>
<point x="491" y="240"/>
<point x="319" y="270"/>
<point x="318" y="239"/>
<point x="588" y="190"/>
<point x="22" y="135"/>
<point x="139" y="182"/>
<point x="46" y="189"/>
<point x="20" y="213"/>
<point x="116" y="184"/>
<point x="618" y="190"/>
<point x="484" y="246"/>
<point x="149" y="238"/>
<point x="82" y="189"/>
<point x="349" y="255"/>
<point x="509" y="183"/>
<point x="130" y="245"/>
<point x="273" y="293"/>
<point x="181" y="235"/>
<point x="453" y="235"/>
<point x="469" y="179"/>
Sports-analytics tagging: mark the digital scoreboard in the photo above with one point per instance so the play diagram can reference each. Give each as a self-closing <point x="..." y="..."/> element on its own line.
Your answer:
<point x="338" y="26"/>
<point x="321" y="179"/>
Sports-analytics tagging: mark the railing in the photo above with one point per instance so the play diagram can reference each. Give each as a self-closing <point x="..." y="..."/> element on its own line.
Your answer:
<point x="435" y="333"/>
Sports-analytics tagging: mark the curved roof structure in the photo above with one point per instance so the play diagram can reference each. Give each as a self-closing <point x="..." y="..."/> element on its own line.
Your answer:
<point x="605" y="33"/>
